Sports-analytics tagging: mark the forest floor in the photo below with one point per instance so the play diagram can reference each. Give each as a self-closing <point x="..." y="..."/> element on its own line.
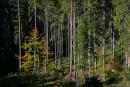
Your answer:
<point x="29" y="80"/>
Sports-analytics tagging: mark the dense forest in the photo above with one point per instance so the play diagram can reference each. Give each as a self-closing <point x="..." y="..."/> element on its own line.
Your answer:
<point x="64" y="43"/>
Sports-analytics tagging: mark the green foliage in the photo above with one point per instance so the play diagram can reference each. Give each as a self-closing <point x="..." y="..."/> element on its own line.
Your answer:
<point x="112" y="78"/>
<point x="95" y="21"/>
<point x="28" y="56"/>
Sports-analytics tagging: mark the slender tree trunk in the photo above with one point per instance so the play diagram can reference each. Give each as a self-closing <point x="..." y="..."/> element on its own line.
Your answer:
<point x="55" y="35"/>
<point x="46" y="25"/>
<point x="78" y="52"/>
<point x="35" y="37"/>
<point x="89" y="56"/>
<point x="59" y="43"/>
<point x="113" y="44"/>
<point x="74" y="37"/>
<point x="95" y="58"/>
<point x="103" y="37"/>
<point x="121" y="31"/>
<point x="68" y="36"/>
<point x="111" y="31"/>
<point x="103" y="52"/>
<point x="89" y="42"/>
<point x="19" y="37"/>
<point x="71" y="38"/>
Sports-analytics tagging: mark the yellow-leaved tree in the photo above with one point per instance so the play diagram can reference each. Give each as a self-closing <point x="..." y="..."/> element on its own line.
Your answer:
<point x="37" y="61"/>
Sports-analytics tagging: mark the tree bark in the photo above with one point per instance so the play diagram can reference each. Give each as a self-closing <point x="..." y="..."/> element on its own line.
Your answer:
<point x="89" y="42"/>
<point x="71" y="37"/>
<point x="74" y="37"/>
<point x="55" y="35"/>
<point x="103" y="53"/>
<point x="46" y="25"/>
<point x="35" y="37"/>
<point x="19" y="36"/>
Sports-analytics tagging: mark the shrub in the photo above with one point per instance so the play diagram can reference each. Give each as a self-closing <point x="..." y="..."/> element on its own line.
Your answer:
<point x="112" y="78"/>
<point x="93" y="82"/>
